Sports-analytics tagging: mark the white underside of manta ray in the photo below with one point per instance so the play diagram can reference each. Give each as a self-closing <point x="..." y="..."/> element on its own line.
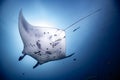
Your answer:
<point x="44" y="44"/>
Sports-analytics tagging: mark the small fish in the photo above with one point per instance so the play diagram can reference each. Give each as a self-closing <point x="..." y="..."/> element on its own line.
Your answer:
<point x="23" y="73"/>
<point x="76" y="29"/>
<point x="74" y="59"/>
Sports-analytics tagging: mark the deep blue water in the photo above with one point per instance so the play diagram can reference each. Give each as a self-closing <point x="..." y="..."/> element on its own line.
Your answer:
<point x="96" y="43"/>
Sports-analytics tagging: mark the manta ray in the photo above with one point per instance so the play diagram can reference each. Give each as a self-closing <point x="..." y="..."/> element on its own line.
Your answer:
<point x="44" y="44"/>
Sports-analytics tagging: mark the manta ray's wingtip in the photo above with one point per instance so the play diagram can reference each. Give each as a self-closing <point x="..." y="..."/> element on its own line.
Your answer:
<point x="20" y="13"/>
<point x="21" y="10"/>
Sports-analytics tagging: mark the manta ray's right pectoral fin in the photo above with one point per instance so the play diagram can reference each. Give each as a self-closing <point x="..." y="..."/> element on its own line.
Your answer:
<point x="21" y="57"/>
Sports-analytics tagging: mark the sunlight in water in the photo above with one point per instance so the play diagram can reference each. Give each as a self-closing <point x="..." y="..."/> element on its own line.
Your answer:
<point x="43" y="24"/>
